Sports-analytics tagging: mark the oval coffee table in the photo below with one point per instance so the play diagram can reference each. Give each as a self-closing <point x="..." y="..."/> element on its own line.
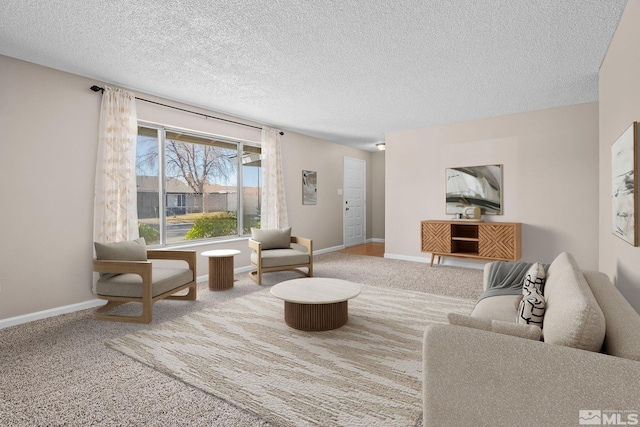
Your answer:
<point x="316" y="303"/>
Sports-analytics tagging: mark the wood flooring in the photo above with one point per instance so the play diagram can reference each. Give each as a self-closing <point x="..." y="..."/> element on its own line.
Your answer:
<point x="371" y="249"/>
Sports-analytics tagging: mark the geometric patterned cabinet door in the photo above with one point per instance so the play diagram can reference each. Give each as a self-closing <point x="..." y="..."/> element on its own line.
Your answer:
<point x="495" y="241"/>
<point x="436" y="237"/>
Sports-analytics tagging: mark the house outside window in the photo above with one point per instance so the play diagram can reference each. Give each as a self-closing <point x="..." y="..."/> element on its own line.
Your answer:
<point x="175" y="204"/>
<point x="194" y="186"/>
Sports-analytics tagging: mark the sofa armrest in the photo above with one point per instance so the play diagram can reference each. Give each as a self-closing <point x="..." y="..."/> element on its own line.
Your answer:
<point x="144" y="269"/>
<point x="307" y="243"/>
<point x="141" y="268"/>
<point x="474" y="377"/>
<point x="255" y="245"/>
<point x="187" y="256"/>
<point x="485" y="277"/>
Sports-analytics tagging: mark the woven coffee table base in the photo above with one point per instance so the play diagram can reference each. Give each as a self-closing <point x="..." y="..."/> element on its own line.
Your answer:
<point x="316" y="317"/>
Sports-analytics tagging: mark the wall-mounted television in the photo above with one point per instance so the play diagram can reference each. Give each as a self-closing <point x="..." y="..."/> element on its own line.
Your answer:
<point x="474" y="186"/>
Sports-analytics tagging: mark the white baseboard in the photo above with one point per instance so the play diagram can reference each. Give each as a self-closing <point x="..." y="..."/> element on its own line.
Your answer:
<point x="408" y="258"/>
<point x="327" y="250"/>
<point x="248" y="268"/>
<point x="245" y="269"/>
<point x="466" y="263"/>
<point x="25" y="318"/>
<point x="18" y="320"/>
<point x="39" y="315"/>
<point x="450" y="261"/>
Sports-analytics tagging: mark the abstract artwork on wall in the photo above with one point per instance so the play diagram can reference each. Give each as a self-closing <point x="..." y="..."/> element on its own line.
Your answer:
<point x="474" y="186"/>
<point x="624" y="162"/>
<point x="309" y="188"/>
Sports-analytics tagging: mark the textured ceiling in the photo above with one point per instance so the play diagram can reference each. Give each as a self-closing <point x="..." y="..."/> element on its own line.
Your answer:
<point x="343" y="70"/>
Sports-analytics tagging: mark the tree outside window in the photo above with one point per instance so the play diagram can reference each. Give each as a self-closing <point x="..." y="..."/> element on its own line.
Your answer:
<point x="193" y="186"/>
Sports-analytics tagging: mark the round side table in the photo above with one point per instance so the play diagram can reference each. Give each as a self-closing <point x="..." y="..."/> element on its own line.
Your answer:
<point x="220" y="268"/>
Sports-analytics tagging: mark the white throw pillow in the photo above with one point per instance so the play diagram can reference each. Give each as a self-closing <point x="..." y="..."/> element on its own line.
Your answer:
<point x="532" y="305"/>
<point x="531" y="310"/>
<point x="534" y="278"/>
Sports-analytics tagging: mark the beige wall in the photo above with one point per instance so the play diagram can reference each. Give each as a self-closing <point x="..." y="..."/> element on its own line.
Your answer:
<point x="48" y="140"/>
<point x="48" y="123"/>
<point x="378" y="196"/>
<point x="619" y="107"/>
<point x="322" y="222"/>
<point x="550" y="159"/>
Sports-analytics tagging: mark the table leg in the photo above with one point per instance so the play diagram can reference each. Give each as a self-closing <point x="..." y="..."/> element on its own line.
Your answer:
<point x="316" y="317"/>
<point x="220" y="273"/>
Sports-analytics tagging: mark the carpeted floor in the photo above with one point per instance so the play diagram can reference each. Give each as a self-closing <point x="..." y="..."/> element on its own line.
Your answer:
<point x="58" y="371"/>
<point x="366" y="373"/>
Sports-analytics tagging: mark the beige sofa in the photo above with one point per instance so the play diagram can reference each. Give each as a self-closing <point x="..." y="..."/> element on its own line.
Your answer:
<point x="474" y="376"/>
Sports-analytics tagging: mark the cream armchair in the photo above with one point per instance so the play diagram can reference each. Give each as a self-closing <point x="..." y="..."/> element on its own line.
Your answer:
<point x="127" y="275"/>
<point x="272" y="251"/>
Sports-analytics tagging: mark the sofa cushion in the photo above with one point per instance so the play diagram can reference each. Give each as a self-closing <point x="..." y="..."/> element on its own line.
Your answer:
<point x="573" y="317"/>
<point x="280" y="257"/>
<point x="499" y="307"/>
<point x="622" y="338"/>
<point x="507" y="328"/>
<point x="272" y="238"/>
<point x="130" y="285"/>
<point x="530" y="332"/>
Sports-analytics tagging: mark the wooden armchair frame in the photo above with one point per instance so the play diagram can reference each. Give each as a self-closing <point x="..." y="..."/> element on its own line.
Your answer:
<point x="256" y="275"/>
<point x="144" y="269"/>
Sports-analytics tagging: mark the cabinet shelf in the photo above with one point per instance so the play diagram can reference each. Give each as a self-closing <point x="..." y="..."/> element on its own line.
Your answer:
<point x="497" y="241"/>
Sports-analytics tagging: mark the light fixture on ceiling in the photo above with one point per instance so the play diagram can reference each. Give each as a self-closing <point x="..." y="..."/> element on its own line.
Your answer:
<point x="381" y="146"/>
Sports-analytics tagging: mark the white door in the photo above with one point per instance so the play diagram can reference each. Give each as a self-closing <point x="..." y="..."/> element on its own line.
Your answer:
<point x="354" y="201"/>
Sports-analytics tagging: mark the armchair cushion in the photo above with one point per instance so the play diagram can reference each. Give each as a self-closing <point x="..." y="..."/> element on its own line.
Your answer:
<point x="281" y="258"/>
<point x="130" y="285"/>
<point x="272" y="238"/>
<point x="133" y="250"/>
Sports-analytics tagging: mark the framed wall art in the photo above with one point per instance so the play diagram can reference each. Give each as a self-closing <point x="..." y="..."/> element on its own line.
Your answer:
<point x="474" y="186"/>
<point x="624" y="194"/>
<point x="309" y="188"/>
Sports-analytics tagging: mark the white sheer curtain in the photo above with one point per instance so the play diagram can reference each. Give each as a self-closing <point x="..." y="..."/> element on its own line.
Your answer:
<point x="115" y="204"/>
<point x="274" y="206"/>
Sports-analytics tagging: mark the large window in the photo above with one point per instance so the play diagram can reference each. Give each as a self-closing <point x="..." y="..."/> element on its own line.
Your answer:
<point x="195" y="186"/>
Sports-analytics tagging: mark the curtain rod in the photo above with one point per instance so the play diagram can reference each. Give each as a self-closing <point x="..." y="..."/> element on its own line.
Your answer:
<point x="101" y="89"/>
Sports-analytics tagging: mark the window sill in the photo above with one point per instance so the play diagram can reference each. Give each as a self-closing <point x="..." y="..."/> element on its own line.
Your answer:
<point x="200" y="243"/>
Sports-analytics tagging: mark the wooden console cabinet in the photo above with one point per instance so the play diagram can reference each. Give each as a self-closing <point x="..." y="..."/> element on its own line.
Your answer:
<point x="497" y="241"/>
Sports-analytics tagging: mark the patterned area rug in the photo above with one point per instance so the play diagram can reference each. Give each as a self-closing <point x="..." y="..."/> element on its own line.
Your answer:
<point x="366" y="373"/>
